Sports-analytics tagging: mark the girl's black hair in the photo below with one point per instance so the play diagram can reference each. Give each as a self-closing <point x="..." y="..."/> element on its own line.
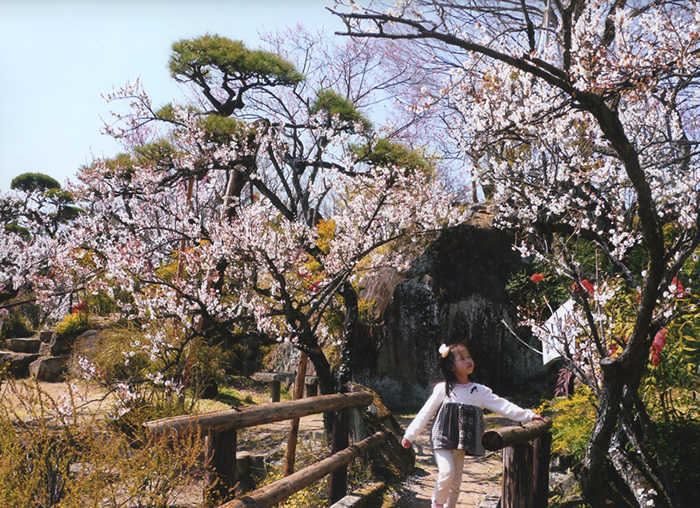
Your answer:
<point x="446" y="367"/>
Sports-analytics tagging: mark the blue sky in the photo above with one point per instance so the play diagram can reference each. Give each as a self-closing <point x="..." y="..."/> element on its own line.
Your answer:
<point x="59" y="56"/>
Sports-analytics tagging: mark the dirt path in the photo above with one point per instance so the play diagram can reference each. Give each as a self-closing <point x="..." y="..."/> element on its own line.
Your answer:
<point x="481" y="477"/>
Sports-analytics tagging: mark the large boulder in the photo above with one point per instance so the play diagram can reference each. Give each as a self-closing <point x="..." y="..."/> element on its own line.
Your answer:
<point x="58" y="346"/>
<point x="285" y="359"/>
<point x="454" y="290"/>
<point x="46" y="335"/>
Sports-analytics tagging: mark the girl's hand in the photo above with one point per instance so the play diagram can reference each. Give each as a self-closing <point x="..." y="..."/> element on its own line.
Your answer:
<point x="405" y="443"/>
<point x="538" y="417"/>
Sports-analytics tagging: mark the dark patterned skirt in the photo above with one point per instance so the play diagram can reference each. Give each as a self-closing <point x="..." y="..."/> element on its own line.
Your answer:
<point x="459" y="427"/>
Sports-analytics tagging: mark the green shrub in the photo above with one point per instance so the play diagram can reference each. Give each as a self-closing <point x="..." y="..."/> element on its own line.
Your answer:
<point x="204" y="366"/>
<point x="152" y="376"/>
<point x="680" y="439"/>
<point x="15" y="325"/>
<point x="73" y="325"/>
<point x="100" y="304"/>
<point x="572" y="422"/>
<point x="116" y="360"/>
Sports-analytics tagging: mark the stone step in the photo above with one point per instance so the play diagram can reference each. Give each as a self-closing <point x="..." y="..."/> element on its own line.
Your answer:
<point x="17" y="364"/>
<point x="26" y="345"/>
<point x="49" y="368"/>
<point x="46" y="335"/>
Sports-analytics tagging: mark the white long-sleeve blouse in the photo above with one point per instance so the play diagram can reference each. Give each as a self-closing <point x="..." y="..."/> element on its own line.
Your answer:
<point x="459" y="423"/>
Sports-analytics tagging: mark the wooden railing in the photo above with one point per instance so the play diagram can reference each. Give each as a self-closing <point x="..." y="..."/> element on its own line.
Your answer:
<point x="282" y="489"/>
<point x="276" y="379"/>
<point x="220" y="428"/>
<point x="526" y="452"/>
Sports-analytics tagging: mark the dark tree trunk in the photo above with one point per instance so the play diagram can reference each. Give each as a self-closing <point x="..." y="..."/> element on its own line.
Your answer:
<point x="326" y="381"/>
<point x="596" y="488"/>
<point x="338" y="480"/>
<point x="347" y="353"/>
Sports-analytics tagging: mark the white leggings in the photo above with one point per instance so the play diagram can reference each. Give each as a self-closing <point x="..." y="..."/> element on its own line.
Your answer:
<point x="450" y="465"/>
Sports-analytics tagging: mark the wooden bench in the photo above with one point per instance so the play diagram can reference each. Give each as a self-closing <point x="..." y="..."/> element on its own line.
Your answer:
<point x="275" y="380"/>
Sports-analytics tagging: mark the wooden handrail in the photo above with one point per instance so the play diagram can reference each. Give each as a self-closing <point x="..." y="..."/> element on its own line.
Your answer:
<point x="504" y="437"/>
<point x="282" y="489"/>
<point x="249" y="416"/>
<point x="220" y="430"/>
<point x="269" y="377"/>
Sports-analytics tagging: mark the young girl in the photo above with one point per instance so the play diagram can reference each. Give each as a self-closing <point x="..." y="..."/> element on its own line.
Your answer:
<point x="459" y="424"/>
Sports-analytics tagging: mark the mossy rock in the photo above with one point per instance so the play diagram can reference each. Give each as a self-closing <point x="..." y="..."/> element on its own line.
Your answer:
<point x="389" y="461"/>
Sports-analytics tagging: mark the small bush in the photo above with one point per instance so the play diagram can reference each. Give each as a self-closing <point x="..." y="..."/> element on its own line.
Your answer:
<point x="100" y="304"/>
<point x="14" y="325"/>
<point x="116" y="360"/>
<point x="152" y="375"/>
<point x="54" y="455"/>
<point x="73" y="325"/>
<point x="572" y="422"/>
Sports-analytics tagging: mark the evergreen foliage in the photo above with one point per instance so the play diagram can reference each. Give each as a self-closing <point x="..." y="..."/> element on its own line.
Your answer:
<point x="384" y="153"/>
<point x="196" y="59"/>
<point x="29" y="182"/>
<point x="334" y="104"/>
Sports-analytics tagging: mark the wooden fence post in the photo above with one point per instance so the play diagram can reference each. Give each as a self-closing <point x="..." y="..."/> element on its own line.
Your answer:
<point x="275" y="391"/>
<point x="312" y="388"/>
<point x="338" y="480"/>
<point x="525" y="470"/>
<point x="290" y="456"/>
<point x="280" y="490"/>
<point x="220" y="445"/>
<point x="540" y="479"/>
<point x="220" y="449"/>
<point x="517" y="477"/>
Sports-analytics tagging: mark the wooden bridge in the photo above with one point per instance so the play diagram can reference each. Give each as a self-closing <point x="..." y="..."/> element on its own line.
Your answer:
<point x="525" y="451"/>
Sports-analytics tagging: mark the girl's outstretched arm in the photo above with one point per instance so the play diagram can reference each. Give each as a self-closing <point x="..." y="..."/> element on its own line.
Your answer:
<point x="426" y="413"/>
<point x="505" y="408"/>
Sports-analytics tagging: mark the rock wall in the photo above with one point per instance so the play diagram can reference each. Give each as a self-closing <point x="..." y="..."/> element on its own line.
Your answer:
<point x="454" y="290"/>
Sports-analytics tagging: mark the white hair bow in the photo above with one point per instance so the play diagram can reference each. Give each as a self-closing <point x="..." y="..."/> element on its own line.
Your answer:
<point x="444" y="350"/>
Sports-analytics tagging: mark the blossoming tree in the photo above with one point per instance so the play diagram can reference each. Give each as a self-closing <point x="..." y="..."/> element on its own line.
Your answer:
<point x="36" y="216"/>
<point x="581" y="121"/>
<point x="252" y="210"/>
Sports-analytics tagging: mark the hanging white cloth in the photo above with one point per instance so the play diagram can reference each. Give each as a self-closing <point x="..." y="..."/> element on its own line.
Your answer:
<point x="555" y="331"/>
